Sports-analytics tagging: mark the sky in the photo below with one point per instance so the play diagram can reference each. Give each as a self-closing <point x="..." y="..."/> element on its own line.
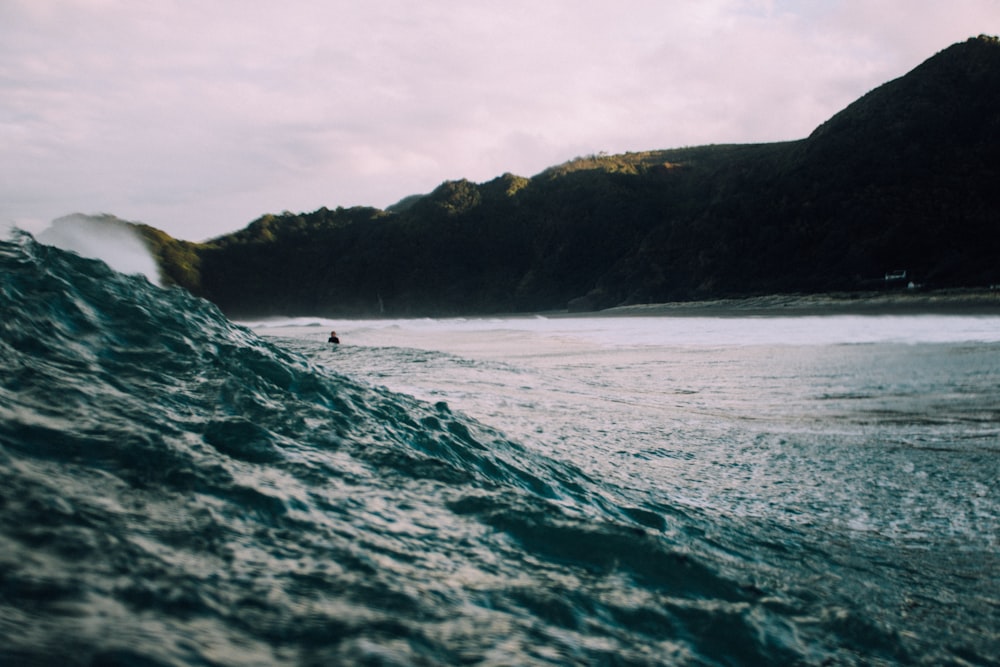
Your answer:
<point x="199" y="116"/>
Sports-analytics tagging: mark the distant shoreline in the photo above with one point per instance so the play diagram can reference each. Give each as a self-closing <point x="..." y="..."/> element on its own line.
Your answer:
<point x="969" y="302"/>
<point x="938" y="302"/>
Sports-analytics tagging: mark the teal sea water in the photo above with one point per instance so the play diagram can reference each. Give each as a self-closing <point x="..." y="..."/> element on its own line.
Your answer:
<point x="177" y="489"/>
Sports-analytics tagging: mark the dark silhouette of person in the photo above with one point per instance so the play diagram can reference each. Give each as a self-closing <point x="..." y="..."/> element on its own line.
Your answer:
<point x="333" y="338"/>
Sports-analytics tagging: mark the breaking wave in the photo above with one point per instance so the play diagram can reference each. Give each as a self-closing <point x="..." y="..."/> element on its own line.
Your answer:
<point x="179" y="491"/>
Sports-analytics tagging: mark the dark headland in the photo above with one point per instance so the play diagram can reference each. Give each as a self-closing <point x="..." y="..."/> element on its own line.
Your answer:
<point x="892" y="205"/>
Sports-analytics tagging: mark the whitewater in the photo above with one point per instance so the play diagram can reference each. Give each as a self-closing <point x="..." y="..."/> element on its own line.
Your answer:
<point x="179" y="489"/>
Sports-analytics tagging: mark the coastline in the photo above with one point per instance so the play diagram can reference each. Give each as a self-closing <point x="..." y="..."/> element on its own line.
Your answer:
<point x="968" y="302"/>
<point x="938" y="302"/>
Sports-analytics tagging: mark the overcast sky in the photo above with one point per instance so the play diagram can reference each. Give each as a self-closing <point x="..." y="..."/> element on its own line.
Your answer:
<point x="198" y="116"/>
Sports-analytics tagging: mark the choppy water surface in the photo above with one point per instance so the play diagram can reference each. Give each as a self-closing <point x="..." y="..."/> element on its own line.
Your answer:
<point x="179" y="490"/>
<point x="857" y="442"/>
<point x="797" y="413"/>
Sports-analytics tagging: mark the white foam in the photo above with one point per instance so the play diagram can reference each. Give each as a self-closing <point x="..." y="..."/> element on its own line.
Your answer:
<point x="116" y="245"/>
<point x="518" y="335"/>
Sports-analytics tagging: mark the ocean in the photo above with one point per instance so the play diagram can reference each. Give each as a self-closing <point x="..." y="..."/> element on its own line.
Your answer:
<point x="180" y="489"/>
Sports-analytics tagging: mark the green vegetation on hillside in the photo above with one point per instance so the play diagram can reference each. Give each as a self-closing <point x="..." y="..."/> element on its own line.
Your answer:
<point x="903" y="179"/>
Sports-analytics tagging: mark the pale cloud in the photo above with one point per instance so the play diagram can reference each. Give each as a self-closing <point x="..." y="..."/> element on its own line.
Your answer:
<point x="197" y="117"/>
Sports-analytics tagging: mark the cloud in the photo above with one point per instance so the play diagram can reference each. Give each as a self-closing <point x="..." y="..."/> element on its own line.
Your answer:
<point x="198" y="117"/>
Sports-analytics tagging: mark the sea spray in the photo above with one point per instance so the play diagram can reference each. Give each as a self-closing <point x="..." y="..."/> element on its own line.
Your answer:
<point x="103" y="237"/>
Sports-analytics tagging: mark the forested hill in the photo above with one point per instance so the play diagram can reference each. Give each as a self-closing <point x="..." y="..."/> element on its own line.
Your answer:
<point x="906" y="178"/>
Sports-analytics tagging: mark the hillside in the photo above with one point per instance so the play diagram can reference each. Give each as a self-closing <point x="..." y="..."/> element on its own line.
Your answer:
<point x="905" y="178"/>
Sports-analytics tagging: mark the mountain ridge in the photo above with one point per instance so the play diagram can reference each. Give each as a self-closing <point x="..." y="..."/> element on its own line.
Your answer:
<point x="904" y="178"/>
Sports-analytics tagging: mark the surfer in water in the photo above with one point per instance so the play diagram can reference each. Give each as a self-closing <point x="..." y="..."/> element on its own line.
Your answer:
<point x="333" y="338"/>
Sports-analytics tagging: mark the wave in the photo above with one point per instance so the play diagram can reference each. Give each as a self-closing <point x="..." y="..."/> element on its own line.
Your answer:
<point x="103" y="237"/>
<point x="176" y="490"/>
